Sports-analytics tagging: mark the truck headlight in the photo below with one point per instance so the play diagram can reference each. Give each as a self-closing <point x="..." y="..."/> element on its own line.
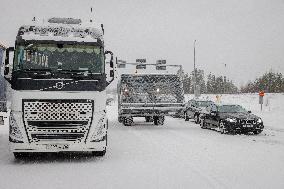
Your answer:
<point x="100" y="132"/>
<point x="15" y="134"/>
<point x="259" y="120"/>
<point x="232" y="120"/>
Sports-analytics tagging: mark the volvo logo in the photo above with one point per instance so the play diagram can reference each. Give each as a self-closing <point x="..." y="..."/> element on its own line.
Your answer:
<point x="59" y="85"/>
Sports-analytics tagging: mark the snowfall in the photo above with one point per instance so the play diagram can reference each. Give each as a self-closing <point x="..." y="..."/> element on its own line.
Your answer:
<point x="178" y="154"/>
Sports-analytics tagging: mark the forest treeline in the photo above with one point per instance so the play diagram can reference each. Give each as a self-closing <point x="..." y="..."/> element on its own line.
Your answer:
<point x="211" y="84"/>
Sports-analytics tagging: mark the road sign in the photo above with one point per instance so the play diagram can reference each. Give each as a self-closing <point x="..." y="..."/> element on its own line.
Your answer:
<point x="121" y="64"/>
<point x="261" y="93"/>
<point x="260" y="100"/>
<point x="141" y="66"/>
<point x="141" y="60"/>
<point x="161" y="62"/>
<point x="161" y="67"/>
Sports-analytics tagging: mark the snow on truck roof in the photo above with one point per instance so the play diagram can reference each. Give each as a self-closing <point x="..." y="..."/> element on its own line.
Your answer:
<point x="62" y="29"/>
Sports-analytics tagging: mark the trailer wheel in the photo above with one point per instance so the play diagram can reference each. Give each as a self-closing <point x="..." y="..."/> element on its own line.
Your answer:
<point x="159" y="120"/>
<point x="120" y="119"/>
<point x="149" y="119"/>
<point x="127" y="121"/>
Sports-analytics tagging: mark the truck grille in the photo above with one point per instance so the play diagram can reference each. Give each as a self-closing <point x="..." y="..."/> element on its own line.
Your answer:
<point x="57" y="120"/>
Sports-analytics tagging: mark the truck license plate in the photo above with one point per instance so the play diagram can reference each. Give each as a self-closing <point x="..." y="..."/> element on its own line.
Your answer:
<point x="57" y="146"/>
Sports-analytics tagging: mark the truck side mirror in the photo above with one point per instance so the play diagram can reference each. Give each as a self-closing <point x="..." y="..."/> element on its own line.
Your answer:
<point x="6" y="71"/>
<point x="111" y="73"/>
<point x="7" y="74"/>
<point x="8" y="50"/>
<point x="111" y="65"/>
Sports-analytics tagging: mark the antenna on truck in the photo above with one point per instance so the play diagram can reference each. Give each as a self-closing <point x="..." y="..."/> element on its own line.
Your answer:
<point x="91" y="14"/>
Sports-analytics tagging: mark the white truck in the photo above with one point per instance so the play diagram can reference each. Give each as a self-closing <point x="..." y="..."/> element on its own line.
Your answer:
<point x="57" y="88"/>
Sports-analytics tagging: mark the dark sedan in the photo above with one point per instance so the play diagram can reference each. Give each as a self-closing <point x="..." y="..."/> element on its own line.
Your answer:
<point x="194" y="107"/>
<point x="231" y="119"/>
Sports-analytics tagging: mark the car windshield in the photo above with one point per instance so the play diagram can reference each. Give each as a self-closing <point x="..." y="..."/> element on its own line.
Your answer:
<point x="203" y="103"/>
<point x="151" y="88"/>
<point x="59" y="57"/>
<point x="231" y="109"/>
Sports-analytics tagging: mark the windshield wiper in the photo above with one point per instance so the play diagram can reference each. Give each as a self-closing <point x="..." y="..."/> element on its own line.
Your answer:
<point x="36" y="70"/>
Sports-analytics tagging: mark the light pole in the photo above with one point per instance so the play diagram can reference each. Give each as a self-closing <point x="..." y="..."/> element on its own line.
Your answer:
<point x="194" y="69"/>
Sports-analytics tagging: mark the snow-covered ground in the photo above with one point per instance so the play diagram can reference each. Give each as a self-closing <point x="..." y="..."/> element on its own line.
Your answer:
<point x="178" y="154"/>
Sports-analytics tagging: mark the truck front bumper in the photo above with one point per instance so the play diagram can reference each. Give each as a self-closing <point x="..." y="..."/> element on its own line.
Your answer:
<point x="59" y="147"/>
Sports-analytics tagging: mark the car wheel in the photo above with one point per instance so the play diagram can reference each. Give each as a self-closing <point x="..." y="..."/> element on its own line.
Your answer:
<point x="202" y="124"/>
<point x="196" y="119"/>
<point x="256" y="132"/>
<point x="186" y="118"/>
<point x="222" y="128"/>
<point x="127" y="121"/>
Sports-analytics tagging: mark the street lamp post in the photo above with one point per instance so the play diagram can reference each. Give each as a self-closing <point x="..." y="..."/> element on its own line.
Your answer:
<point x="194" y="87"/>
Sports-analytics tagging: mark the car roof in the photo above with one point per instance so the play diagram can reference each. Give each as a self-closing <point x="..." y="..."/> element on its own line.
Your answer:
<point x="226" y="104"/>
<point x="200" y="100"/>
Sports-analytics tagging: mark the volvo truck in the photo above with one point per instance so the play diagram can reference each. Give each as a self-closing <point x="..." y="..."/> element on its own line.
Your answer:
<point x="57" y="83"/>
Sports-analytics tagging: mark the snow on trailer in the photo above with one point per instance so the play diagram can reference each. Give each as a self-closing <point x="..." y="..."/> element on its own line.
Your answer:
<point x="149" y="95"/>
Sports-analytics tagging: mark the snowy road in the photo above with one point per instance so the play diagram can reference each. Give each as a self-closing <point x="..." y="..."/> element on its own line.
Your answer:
<point x="177" y="155"/>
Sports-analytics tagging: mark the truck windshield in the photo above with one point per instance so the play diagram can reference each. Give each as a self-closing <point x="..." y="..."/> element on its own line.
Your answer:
<point x="57" y="57"/>
<point x="151" y="88"/>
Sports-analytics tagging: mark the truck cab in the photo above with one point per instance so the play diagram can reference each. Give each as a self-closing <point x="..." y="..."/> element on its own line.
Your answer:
<point x="57" y="88"/>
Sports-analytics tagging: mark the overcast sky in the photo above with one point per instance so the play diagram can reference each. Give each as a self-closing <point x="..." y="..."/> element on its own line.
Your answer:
<point x="247" y="36"/>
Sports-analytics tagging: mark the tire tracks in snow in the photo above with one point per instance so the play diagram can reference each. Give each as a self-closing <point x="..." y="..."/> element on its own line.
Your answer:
<point x="166" y="134"/>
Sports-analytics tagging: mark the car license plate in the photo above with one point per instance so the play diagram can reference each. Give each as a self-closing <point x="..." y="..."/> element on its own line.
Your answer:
<point x="57" y="146"/>
<point x="248" y="126"/>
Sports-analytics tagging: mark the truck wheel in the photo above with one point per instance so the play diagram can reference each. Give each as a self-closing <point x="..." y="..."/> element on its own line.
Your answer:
<point x="186" y="118"/>
<point x="20" y="155"/>
<point x="99" y="153"/>
<point x="120" y="119"/>
<point x="149" y="119"/>
<point x="159" y="120"/>
<point x="127" y="121"/>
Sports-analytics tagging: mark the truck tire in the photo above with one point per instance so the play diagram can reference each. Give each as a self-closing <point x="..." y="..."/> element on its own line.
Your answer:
<point x="120" y="119"/>
<point x="149" y="119"/>
<point x="159" y="120"/>
<point x="99" y="153"/>
<point x="20" y="155"/>
<point x="127" y="121"/>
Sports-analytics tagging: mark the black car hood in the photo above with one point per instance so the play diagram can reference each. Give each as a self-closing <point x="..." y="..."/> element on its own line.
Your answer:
<point x="238" y="115"/>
